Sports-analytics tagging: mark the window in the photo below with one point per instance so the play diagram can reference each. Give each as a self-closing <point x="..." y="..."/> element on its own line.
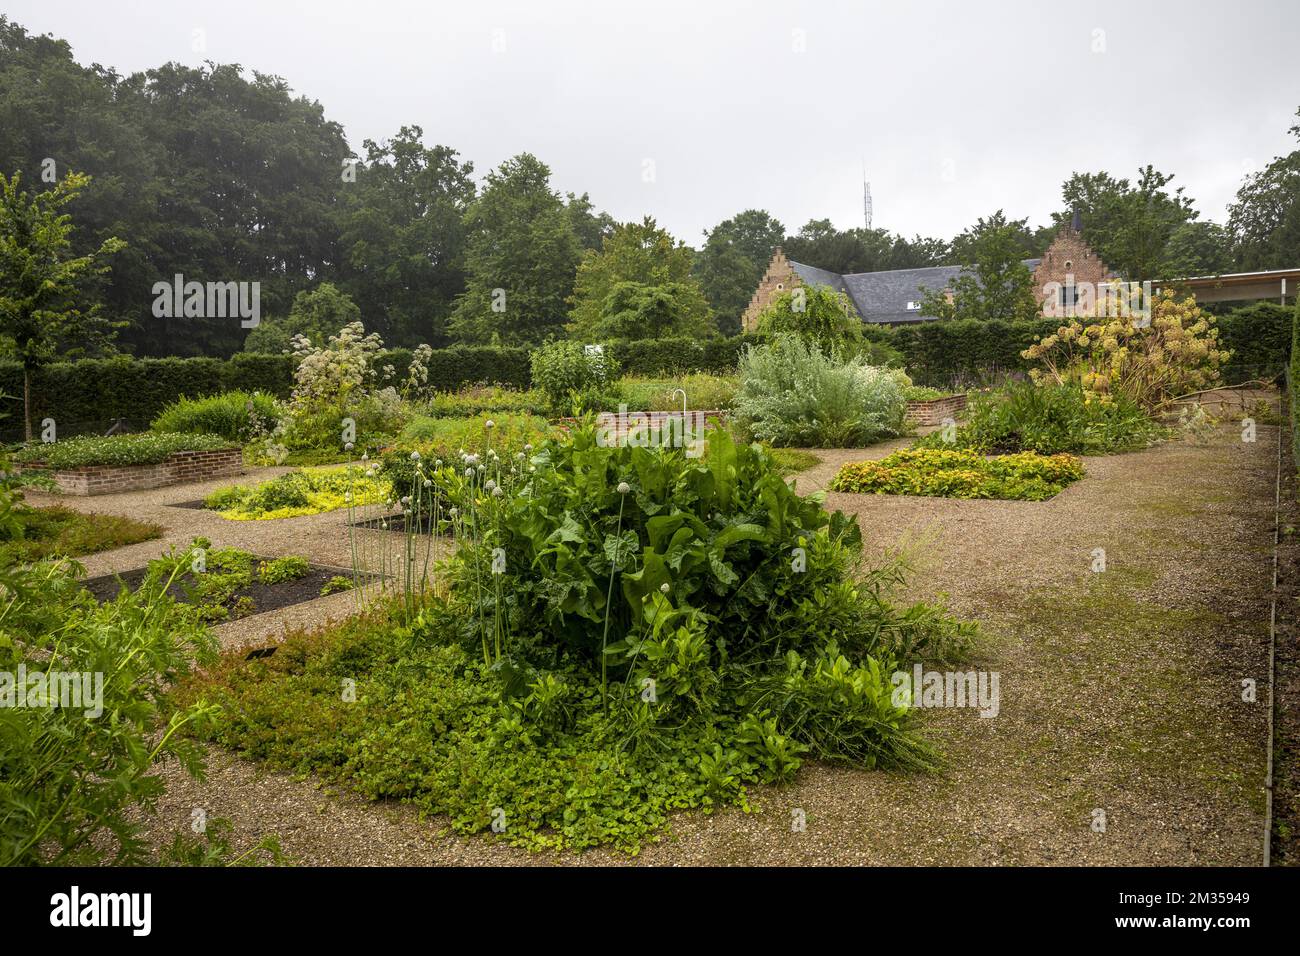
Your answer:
<point x="1068" y="296"/>
<point x="913" y="306"/>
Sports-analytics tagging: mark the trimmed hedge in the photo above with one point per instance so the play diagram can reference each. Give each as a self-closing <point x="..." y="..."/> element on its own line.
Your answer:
<point x="653" y="357"/>
<point x="1260" y="338"/>
<point x="88" y="395"/>
<point x="1293" y="384"/>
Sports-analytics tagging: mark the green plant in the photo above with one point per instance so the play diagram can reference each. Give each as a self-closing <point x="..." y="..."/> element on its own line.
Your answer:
<point x="1049" y="419"/>
<point x="587" y="667"/>
<point x="57" y="531"/>
<point x="211" y="847"/>
<point x="146" y="448"/>
<point x="564" y="368"/>
<point x="793" y="393"/>
<point x="279" y="570"/>
<point x="953" y="473"/>
<point x="74" y="780"/>
<point x="308" y="492"/>
<point x="818" y="314"/>
<point x="238" y="416"/>
<point x="336" y="584"/>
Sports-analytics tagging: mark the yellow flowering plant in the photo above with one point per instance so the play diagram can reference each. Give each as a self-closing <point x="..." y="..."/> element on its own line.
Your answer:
<point x="1151" y="361"/>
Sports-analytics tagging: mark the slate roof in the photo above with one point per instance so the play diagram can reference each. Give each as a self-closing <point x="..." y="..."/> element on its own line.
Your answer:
<point x="882" y="297"/>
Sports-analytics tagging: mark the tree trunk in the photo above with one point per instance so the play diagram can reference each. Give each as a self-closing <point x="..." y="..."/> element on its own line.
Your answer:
<point x="27" y="404"/>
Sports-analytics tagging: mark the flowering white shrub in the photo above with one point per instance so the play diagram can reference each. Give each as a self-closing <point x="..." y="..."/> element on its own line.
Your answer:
<point x="794" y="394"/>
<point x="330" y="374"/>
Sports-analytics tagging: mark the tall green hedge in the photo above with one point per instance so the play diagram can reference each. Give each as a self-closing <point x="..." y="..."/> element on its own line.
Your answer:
<point x="87" y="396"/>
<point x="1293" y="384"/>
<point x="1260" y="338"/>
<point x="678" y="356"/>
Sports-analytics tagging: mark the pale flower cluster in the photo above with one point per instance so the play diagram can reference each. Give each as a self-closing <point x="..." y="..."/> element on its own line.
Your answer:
<point x="333" y="373"/>
<point x="1175" y="353"/>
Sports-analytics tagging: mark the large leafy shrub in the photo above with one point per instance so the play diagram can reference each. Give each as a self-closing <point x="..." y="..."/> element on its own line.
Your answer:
<point x="566" y="370"/>
<point x="951" y="473"/>
<point x="794" y="393"/>
<point x="238" y="415"/>
<point x="1049" y="419"/>
<point x="817" y="313"/>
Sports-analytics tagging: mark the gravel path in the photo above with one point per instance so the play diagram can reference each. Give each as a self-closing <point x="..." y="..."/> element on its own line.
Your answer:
<point x="1120" y="691"/>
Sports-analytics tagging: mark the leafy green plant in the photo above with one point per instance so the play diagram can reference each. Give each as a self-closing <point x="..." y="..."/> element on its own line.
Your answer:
<point x="1050" y="419"/>
<point x="564" y="368"/>
<point x="56" y="531"/>
<point x="336" y="584"/>
<point x="587" y="667"/>
<point x="956" y="473"/>
<point x="237" y="416"/>
<point x="279" y="570"/>
<point x="75" y="780"/>
<point x="212" y="847"/>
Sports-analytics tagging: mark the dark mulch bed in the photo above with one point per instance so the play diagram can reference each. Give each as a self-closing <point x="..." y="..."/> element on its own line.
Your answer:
<point x="266" y="597"/>
<point x="396" y="523"/>
<point x="193" y="505"/>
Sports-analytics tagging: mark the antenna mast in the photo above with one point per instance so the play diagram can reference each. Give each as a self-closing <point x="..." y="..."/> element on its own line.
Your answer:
<point x="866" y="197"/>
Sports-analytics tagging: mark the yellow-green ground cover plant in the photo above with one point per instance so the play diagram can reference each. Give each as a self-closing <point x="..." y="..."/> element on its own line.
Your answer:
<point x="307" y="492"/>
<point x="621" y="633"/>
<point x="960" y="473"/>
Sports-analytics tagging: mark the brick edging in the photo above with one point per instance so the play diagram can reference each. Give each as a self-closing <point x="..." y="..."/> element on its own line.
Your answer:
<point x="934" y="411"/>
<point x="177" y="468"/>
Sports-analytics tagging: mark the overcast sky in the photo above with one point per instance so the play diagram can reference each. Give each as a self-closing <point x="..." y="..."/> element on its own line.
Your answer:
<point x="693" y="111"/>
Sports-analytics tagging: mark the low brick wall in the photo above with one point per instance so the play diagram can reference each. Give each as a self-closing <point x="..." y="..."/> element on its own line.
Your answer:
<point x="935" y="411"/>
<point x="180" y="467"/>
<point x="615" y="428"/>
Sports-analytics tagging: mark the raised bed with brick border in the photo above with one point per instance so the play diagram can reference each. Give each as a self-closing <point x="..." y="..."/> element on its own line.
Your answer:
<point x="177" y="468"/>
<point x="936" y="410"/>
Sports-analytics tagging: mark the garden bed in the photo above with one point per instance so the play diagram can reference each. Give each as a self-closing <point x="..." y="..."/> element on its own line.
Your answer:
<point x="263" y="597"/>
<point x="177" y="468"/>
<point x="958" y="473"/>
<point x="395" y="523"/>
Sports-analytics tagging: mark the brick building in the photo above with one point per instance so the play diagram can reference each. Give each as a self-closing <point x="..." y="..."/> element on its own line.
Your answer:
<point x="894" y="297"/>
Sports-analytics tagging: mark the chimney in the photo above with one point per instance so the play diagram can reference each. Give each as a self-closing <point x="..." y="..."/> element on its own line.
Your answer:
<point x="1076" y="222"/>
